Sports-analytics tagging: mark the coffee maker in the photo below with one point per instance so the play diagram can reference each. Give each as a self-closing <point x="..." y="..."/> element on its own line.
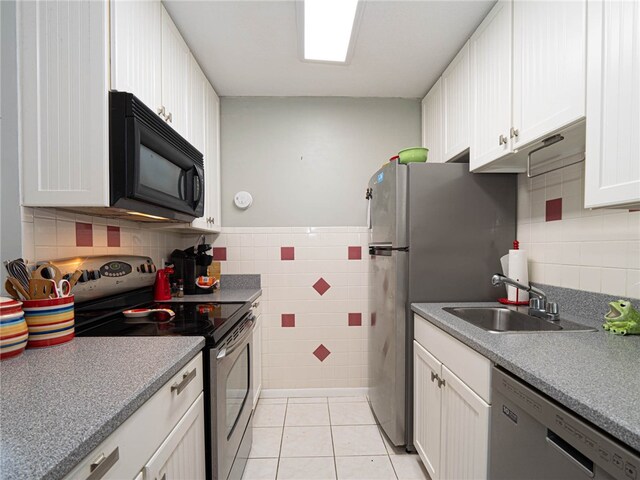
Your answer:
<point x="189" y="264"/>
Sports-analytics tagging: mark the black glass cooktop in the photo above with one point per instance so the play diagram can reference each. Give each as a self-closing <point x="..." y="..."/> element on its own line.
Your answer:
<point x="210" y="320"/>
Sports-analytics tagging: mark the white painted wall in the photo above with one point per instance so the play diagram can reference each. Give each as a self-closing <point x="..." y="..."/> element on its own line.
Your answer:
<point x="307" y="160"/>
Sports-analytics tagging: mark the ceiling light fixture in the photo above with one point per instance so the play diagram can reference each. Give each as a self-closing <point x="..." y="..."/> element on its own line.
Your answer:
<point x="328" y="29"/>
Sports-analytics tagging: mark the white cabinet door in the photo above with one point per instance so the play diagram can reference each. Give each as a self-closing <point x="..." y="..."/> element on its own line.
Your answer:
<point x="549" y="62"/>
<point x="182" y="454"/>
<point x="432" y="123"/>
<point x="63" y="59"/>
<point x="455" y="105"/>
<point x="612" y="169"/>
<point x="136" y="50"/>
<point x="196" y="105"/>
<point x="465" y="431"/>
<point x="256" y="364"/>
<point x="427" y="408"/>
<point x="212" y="158"/>
<point x="490" y="71"/>
<point x="176" y="65"/>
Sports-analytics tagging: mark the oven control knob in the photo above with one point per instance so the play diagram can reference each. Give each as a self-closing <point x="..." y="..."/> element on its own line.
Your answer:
<point x="93" y="275"/>
<point x="142" y="268"/>
<point x="152" y="268"/>
<point x="84" y="277"/>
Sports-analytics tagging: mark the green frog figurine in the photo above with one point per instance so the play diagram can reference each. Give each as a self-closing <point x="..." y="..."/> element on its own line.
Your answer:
<point x="622" y="318"/>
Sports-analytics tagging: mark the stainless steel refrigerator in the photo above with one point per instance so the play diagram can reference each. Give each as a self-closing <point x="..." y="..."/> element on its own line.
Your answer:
<point x="436" y="234"/>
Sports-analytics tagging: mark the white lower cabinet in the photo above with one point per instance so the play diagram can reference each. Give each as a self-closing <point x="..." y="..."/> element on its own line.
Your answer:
<point x="162" y="440"/>
<point x="181" y="455"/>
<point x="451" y="419"/>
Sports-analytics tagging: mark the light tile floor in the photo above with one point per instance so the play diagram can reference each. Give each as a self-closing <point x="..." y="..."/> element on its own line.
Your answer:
<point x="324" y="439"/>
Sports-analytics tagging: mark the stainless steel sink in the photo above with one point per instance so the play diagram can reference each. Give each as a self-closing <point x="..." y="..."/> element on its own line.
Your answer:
<point x="507" y="320"/>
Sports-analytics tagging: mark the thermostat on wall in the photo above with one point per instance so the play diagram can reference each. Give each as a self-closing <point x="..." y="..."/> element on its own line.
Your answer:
<point x="243" y="200"/>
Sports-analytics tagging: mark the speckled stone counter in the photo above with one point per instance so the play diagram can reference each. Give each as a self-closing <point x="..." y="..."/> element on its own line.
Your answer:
<point x="595" y="374"/>
<point x="233" y="288"/>
<point x="57" y="404"/>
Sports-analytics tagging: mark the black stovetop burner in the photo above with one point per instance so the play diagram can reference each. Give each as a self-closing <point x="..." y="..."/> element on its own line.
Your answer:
<point x="105" y="318"/>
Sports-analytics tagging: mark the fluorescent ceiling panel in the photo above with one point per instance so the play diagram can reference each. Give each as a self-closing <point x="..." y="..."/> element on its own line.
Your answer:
<point x="328" y="25"/>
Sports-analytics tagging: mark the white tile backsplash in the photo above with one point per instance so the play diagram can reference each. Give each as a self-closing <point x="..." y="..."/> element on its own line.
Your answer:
<point x="594" y="250"/>
<point x="49" y="234"/>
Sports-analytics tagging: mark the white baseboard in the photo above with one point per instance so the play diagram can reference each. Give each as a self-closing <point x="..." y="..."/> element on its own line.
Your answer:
<point x="313" y="392"/>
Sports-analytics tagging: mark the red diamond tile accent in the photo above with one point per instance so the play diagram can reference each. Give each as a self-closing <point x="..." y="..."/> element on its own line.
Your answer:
<point x="355" y="253"/>
<point x="554" y="210"/>
<point x="113" y="236"/>
<point x="355" y="319"/>
<point x="287" y="253"/>
<point x="321" y="352"/>
<point x="84" y="234"/>
<point x="219" y="253"/>
<point x="288" y="319"/>
<point x="321" y="286"/>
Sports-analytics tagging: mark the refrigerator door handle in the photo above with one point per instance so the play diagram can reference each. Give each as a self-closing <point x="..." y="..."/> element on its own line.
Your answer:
<point x="385" y="250"/>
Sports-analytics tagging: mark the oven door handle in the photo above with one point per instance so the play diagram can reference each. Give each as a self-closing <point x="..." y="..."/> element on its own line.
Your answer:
<point x="231" y="348"/>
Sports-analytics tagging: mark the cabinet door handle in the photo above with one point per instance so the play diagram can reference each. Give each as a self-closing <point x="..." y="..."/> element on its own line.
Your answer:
<point x="514" y="132"/>
<point x="103" y="464"/>
<point x="442" y="383"/>
<point x="169" y="117"/>
<point x="161" y="111"/>
<point x="434" y="376"/>
<point x="186" y="380"/>
<point x="502" y="140"/>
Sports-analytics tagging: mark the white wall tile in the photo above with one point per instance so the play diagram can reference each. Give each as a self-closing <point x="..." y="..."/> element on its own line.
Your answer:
<point x="587" y="249"/>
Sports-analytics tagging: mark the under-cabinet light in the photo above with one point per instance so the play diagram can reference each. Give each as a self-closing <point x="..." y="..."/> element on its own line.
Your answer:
<point x="328" y="26"/>
<point x="147" y="215"/>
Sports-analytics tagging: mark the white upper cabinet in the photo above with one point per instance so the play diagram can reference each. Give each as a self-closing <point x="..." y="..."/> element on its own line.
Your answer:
<point x="63" y="60"/>
<point x="197" y="86"/>
<point x="549" y="49"/>
<point x="176" y="66"/>
<point x="209" y="130"/>
<point x="455" y="105"/>
<point x="527" y="68"/>
<point x="612" y="175"/>
<point x="136" y="50"/>
<point x="432" y="123"/>
<point x="490" y="67"/>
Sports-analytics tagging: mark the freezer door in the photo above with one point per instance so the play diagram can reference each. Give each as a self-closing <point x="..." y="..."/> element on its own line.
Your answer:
<point x="388" y="206"/>
<point x="387" y="300"/>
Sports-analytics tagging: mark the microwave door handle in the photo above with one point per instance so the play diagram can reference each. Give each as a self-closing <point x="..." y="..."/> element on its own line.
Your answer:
<point x="181" y="184"/>
<point x="197" y="186"/>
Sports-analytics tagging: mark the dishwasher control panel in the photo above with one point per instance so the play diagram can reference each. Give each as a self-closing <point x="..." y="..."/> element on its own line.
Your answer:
<point x="597" y="447"/>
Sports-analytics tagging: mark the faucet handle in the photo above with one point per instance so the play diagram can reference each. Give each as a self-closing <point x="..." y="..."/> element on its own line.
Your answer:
<point x="535" y="303"/>
<point x="553" y="310"/>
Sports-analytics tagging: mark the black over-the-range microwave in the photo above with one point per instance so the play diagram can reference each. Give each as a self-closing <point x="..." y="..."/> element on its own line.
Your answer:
<point x="153" y="170"/>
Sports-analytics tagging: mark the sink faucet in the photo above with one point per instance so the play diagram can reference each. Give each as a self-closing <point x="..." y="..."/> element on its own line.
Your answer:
<point x="538" y="306"/>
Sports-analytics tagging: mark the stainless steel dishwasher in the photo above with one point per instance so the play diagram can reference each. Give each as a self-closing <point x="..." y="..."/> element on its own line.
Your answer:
<point x="534" y="438"/>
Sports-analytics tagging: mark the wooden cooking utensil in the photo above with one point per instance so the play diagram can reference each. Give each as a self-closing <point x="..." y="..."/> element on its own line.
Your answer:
<point x="48" y="271"/>
<point x="15" y="292"/>
<point x="40" y="288"/>
<point x="74" y="278"/>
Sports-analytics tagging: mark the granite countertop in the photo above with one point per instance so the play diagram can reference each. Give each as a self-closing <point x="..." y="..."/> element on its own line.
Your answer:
<point x="223" y="295"/>
<point x="595" y="374"/>
<point x="58" y="403"/>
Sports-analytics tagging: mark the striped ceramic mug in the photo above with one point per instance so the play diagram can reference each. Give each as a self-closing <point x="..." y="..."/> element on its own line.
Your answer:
<point x="13" y="328"/>
<point x="50" y="321"/>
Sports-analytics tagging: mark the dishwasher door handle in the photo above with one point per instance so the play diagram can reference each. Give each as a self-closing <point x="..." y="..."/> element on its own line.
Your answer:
<point x="571" y="453"/>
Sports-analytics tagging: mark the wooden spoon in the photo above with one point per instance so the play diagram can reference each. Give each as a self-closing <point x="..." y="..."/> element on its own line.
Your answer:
<point x="40" y="288"/>
<point x="17" y="292"/>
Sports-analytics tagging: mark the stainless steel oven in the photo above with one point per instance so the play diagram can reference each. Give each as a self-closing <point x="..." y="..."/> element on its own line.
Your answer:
<point x="231" y="390"/>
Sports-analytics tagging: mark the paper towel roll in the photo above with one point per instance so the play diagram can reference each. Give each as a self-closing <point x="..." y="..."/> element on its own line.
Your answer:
<point x="518" y="271"/>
